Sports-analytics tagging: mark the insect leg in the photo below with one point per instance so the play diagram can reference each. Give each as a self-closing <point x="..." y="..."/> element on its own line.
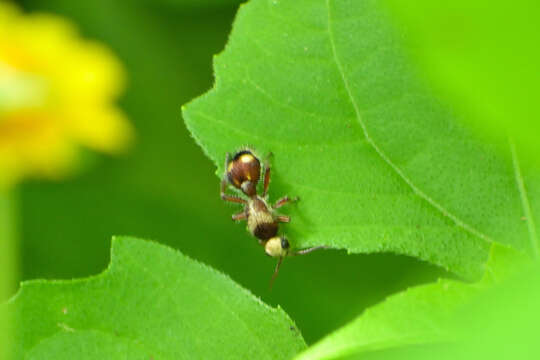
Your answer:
<point x="239" y="216"/>
<point x="284" y="201"/>
<point x="266" y="178"/>
<point x="230" y="198"/>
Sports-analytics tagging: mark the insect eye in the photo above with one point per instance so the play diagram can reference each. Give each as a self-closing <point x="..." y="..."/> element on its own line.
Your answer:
<point x="284" y="243"/>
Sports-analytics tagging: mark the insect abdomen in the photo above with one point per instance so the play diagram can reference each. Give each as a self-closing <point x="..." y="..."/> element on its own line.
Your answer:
<point x="265" y="231"/>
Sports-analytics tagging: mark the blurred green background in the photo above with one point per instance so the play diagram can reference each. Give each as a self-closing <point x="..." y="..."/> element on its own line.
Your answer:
<point x="165" y="188"/>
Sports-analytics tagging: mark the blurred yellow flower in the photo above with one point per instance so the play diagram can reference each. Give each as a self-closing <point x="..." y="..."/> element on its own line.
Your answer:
<point x="57" y="93"/>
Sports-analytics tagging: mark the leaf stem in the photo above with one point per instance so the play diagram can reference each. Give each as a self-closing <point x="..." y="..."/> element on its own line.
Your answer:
<point x="7" y="262"/>
<point x="525" y="201"/>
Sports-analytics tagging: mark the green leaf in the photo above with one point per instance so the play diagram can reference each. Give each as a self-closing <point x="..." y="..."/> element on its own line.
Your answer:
<point x="502" y="323"/>
<point x="152" y="302"/>
<point x="490" y="72"/>
<point x="422" y="316"/>
<point x="379" y="164"/>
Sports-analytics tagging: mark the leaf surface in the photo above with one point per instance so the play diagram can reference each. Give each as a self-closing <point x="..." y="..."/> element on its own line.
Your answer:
<point x="489" y="71"/>
<point x="152" y="302"/>
<point x="379" y="164"/>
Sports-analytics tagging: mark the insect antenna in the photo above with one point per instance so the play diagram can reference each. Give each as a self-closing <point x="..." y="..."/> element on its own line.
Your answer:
<point x="308" y="250"/>
<point x="274" y="276"/>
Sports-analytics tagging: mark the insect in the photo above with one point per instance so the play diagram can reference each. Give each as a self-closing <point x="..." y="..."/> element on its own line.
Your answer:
<point x="243" y="172"/>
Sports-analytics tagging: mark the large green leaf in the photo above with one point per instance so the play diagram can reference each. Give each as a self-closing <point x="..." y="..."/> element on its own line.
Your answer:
<point x="378" y="162"/>
<point x="152" y="302"/>
<point x="418" y="319"/>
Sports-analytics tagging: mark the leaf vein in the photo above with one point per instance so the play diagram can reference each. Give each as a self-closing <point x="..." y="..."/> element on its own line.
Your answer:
<point x="379" y="151"/>
<point x="524" y="201"/>
<point x="275" y="144"/>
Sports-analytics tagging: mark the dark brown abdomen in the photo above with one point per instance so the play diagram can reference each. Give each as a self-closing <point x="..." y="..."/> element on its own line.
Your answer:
<point x="266" y="231"/>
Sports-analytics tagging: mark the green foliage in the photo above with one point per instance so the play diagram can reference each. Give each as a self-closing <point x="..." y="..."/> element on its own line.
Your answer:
<point x="498" y="322"/>
<point x="165" y="189"/>
<point x="420" y="316"/>
<point x="378" y="162"/>
<point x="480" y="56"/>
<point x="502" y="323"/>
<point x="152" y="302"/>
